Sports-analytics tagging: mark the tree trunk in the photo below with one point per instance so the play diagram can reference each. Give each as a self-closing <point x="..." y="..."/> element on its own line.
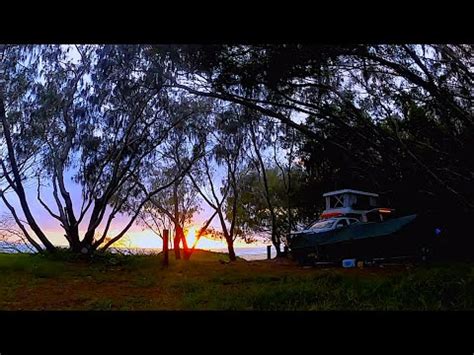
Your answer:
<point x="18" y="184"/>
<point x="275" y="233"/>
<point x="165" y="247"/>
<point x="288" y="187"/>
<point x="178" y="231"/>
<point x="176" y="239"/>
<point x="74" y="246"/>
<point x="183" y="240"/>
<point x="228" y="237"/>
<point x="276" y="237"/>
<point x="230" y="248"/>
<point x="277" y="245"/>
<point x="199" y="235"/>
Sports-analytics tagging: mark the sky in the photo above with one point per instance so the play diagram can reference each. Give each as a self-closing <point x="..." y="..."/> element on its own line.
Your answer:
<point x="138" y="236"/>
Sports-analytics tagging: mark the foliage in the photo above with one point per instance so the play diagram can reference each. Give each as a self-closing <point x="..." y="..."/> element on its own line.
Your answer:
<point x="129" y="121"/>
<point x="101" y="116"/>
<point x="382" y="98"/>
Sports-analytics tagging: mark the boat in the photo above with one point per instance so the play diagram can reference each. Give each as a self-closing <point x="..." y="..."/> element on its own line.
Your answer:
<point x="354" y="226"/>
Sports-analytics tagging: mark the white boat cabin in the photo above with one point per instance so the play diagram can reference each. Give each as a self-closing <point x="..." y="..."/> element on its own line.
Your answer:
<point x="350" y="203"/>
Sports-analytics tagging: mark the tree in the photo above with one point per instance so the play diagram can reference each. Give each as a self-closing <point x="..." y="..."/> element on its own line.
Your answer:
<point x="225" y="145"/>
<point x="119" y="119"/>
<point x="366" y="90"/>
<point x="174" y="207"/>
<point x="179" y="204"/>
<point x="287" y="142"/>
<point x="102" y="116"/>
<point x="184" y="204"/>
<point x="253" y="214"/>
<point x="258" y="144"/>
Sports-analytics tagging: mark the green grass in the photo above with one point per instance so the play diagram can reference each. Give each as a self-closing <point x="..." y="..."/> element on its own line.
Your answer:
<point x="113" y="282"/>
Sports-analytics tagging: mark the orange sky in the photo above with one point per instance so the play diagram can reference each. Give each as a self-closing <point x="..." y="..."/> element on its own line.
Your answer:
<point x="146" y="239"/>
<point x="139" y="238"/>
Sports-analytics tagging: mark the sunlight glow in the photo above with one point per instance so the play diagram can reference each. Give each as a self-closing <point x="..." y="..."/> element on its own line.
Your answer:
<point x="137" y="238"/>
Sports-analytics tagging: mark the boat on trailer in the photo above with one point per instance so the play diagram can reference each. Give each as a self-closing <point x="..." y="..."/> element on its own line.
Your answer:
<point x="354" y="225"/>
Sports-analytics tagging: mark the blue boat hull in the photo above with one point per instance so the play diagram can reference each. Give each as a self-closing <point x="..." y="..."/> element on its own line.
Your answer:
<point x="404" y="236"/>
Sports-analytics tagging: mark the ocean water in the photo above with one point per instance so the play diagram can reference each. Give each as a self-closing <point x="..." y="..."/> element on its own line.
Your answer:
<point x="250" y="253"/>
<point x="247" y="253"/>
<point x="6" y="247"/>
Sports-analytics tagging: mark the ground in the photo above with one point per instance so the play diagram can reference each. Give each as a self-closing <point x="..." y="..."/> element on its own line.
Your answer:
<point x="209" y="282"/>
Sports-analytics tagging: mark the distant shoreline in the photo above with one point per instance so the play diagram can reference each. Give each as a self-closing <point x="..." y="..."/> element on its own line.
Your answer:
<point x="247" y="253"/>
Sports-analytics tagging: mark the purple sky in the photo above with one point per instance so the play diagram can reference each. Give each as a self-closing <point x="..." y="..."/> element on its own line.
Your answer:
<point x="140" y="236"/>
<point x="51" y="226"/>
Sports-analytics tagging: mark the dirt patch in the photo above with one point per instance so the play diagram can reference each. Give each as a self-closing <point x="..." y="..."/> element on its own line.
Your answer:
<point x="87" y="293"/>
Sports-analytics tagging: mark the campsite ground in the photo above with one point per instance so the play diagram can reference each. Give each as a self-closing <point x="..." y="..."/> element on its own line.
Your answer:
<point x="208" y="282"/>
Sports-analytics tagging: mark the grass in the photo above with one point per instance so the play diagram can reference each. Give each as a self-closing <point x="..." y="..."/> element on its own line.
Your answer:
<point x="208" y="282"/>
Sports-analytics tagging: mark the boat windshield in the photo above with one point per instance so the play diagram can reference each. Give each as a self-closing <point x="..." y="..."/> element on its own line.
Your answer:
<point x="322" y="224"/>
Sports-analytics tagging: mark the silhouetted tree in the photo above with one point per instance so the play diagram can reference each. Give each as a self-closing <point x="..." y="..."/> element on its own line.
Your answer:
<point x="99" y="115"/>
